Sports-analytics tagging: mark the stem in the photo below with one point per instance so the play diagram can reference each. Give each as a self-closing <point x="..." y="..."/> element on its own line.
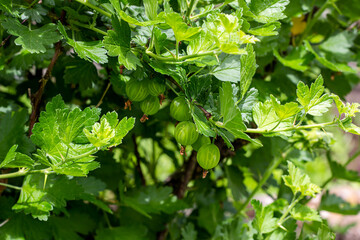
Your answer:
<point x="10" y="186"/>
<point x="313" y="20"/>
<point x="169" y="86"/>
<point x="182" y="58"/>
<point x="22" y="172"/>
<point x="86" y="3"/>
<point x="275" y="163"/>
<point x="177" y="50"/>
<point x="88" y="27"/>
<point x="320" y="125"/>
<point x="102" y="97"/>
<point x="191" y="7"/>
<point x="292" y="205"/>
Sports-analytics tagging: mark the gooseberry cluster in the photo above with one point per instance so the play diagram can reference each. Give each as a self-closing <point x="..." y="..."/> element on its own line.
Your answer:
<point x="139" y="91"/>
<point x="208" y="154"/>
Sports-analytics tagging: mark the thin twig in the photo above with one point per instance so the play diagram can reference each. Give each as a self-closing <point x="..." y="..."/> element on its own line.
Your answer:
<point x="102" y="97"/>
<point x="36" y="98"/>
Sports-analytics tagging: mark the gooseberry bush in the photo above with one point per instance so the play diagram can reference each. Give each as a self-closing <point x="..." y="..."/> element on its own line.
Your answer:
<point x="172" y="119"/>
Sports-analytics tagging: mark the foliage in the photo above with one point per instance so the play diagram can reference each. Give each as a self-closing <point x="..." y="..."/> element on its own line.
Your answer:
<point x="255" y="80"/>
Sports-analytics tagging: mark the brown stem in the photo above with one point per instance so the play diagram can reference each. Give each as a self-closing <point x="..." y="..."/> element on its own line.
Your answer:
<point x="127" y="105"/>
<point x="138" y="160"/>
<point x="189" y="170"/>
<point x="36" y="98"/>
<point x="206" y="113"/>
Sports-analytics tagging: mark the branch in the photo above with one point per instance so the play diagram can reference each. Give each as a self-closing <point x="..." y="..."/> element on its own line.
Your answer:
<point x="36" y="98"/>
<point x="138" y="158"/>
<point x="189" y="170"/>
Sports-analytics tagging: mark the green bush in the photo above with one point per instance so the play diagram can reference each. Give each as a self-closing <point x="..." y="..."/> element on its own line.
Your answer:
<point x="257" y="81"/>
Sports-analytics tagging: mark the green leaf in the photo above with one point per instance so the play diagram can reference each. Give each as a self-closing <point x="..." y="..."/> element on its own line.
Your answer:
<point x="12" y="131"/>
<point x="333" y="203"/>
<point x="80" y="72"/>
<point x="337" y="67"/>
<point x="129" y="19"/>
<point x="90" y="51"/>
<point x="14" y="159"/>
<point x="312" y="100"/>
<point x="34" y="41"/>
<point x="348" y="109"/>
<point x="247" y="69"/>
<point x="228" y="69"/>
<point x="299" y="182"/>
<point x="265" y="117"/>
<point x="38" y="199"/>
<point x="109" y="132"/>
<point x="131" y="232"/>
<point x="153" y="200"/>
<point x="189" y="232"/>
<point x="304" y="213"/>
<point x="339" y="45"/>
<point x="341" y="172"/>
<point x="266" y="11"/>
<point x="210" y="217"/>
<point x="151" y="7"/>
<point x="201" y="122"/>
<point x="247" y="103"/>
<point x="230" y="22"/>
<point x="268" y="29"/>
<point x="181" y="30"/>
<point x="295" y="59"/>
<point x="117" y="42"/>
<point x="324" y="233"/>
<point x="264" y="221"/>
<point x="284" y="111"/>
<point x="35" y="13"/>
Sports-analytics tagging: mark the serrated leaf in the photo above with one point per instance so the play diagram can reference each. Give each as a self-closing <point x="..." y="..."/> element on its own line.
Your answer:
<point x="265" y="117"/>
<point x="228" y="69"/>
<point x="201" y="123"/>
<point x="304" y="213"/>
<point x="189" y="232"/>
<point x="90" y="51"/>
<point x="264" y="221"/>
<point x="324" y="233"/>
<point x="38" y="199"/>
<point x="333" y="203"/>
<point x="341" y="172"/>
<point x="117" y="42"/>
<point x="266" y="11"/>
<point x="284" y="111"/>
<point x="295" y="59"/>
<point x="312" y="100"/>
<point x="348" y="109"/>
<point x="15" y="159"/>
<point x="12" y="131"/>
<point x="59" y="134"/>
<point x="181" y="30"/>
<point x="347" y="125"/>
<point x="80" y="72"/>
<point x="35" y="13"/>
<point x="34" y="41"/>
<point x="204" y="42"/>
<point x="129" y="19"/>
<point x="247" y="69"/>
<point x="337" y="67"/>
<point x="232" y="119"/>
<point x="299" y="182"/>
<point x="151" y="7"/>
<point x="247" y="103"/>
<point x="268" y="29"/>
